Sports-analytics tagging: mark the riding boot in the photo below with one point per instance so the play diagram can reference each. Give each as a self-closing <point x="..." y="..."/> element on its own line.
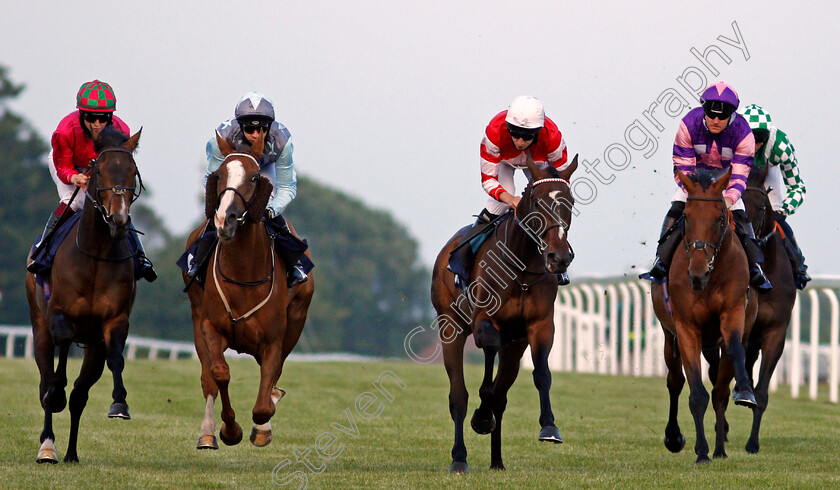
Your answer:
<point x="755" y="257"/>
<point x="563" y="279"/>
<point x="465" y="253"/>
<point x="202" y="250"/>
<point x="669" y="236"/>
<point x="61" y="214"/>
<point x="295" y="275"/>
<point x="794" y="253"/>
<point x="144" y="267"/>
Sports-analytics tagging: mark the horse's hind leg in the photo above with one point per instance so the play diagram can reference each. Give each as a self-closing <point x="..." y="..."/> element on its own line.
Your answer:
<point x="674" y="439"/>
<point x="720" y="400"/>
<point x="231" y="432"/>
<point x="698" y="399"/>
<point x="44" y="358"/>
<point x="453" y="360"/>
<point x="541" y="338"/>
<point x="509" y="358"/>
<point x="116" y="332"/>
<point x="487" y="337"/>
<point x="713" y="357"/>
<point x="92" y="367"/>
<point x="773" y="343"/>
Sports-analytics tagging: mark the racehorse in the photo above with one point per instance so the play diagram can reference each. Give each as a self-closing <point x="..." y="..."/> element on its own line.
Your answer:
<point x="512" y="307"/>
<point x="711" y="309"/>
<point x="92" y="292"/>
<point x="774" y="306"/>
<point x="245" y="304"/>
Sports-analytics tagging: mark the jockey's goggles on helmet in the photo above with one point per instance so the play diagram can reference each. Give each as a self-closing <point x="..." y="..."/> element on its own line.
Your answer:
<point x="717" y="109"/>
<point x="92" y="117"/>
<point x="522" y="133"/>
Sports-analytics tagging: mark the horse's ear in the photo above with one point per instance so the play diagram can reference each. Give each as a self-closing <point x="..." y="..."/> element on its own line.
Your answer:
<point x="686" y="181"/>
<point x="224" y="146"/>
<point x="536" y="172"/>
<point x="131" y="143"/>
<point x="262" y="194"/>
<point x="723" y="181"/>
<point x="211" y="195"/>
<point x="568" y="171"/>
<point x="258" y="145"/>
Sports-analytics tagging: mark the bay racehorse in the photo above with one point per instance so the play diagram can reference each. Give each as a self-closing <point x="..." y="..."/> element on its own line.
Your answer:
<point x="92" y="290"/>
<point x="508" y="306"/>
<point x="245" y="304"/>
<point x="710" y="308"/>
<point x="774" y="306"/>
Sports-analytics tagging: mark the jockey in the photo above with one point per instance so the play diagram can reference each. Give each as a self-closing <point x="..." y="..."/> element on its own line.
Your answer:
<point x="253" y="116"/>
<point x="773" y="148"/>
<point x="73" y="150"/>
<point x="713" y="136"/>
<point x="523" y="128"/>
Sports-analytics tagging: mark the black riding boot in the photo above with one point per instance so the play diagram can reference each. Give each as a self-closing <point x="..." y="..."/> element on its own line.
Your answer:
<point x="465" y="253"/>
<point x="669" y="236"/>
<point x="755" y="258"/>
<point x="202" y="250"/>
<point x="143" y="265"/>
<point x="295" y="275"/>
<point x="794" y="253"/>
<point x="53" y="222"/>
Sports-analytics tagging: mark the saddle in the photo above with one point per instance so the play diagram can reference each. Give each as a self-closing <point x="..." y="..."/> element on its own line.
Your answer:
<point x="470" y="239"/>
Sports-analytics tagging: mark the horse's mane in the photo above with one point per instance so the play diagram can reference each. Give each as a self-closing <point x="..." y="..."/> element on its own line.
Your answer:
<point x="109" y="137"/>
<point x="704" y="177"/>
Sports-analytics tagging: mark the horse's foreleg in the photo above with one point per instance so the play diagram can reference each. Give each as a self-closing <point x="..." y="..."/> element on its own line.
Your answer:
<point x="207" y="437"/>
<point x="674" y="439"/>
<point x="453" y="360"/>
<point x="541" y="338"/>
<point x="509" y="358"/>
<point x="231" y="432"/>
<point x="773" y="344"/>
<point x="55" y="398"/>
<point x="689" y="342"/>
<point x="720" y="400"/>
<point x="44" y="351"/>
<point x="116" y="332"/>
<point x="732" y="329"/>
<point x="92" y="367"/>
<point x="488" y="339"/>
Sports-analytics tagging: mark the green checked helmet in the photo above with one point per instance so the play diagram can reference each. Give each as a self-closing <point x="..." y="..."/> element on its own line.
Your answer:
<point x="757" y="117"/>
<point x="96" y="96"/>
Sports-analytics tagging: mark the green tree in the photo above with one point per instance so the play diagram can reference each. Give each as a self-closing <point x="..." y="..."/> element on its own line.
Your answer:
<point x="28" y="196"/>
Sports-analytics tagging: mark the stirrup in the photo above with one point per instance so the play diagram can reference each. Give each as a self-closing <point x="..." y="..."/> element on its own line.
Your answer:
<point x="297" y="276"/>
<point x="147" y="269"/>
<point x="759" y="279"/>
<point x="801" y="279"/>
<point x="658" y="271"/>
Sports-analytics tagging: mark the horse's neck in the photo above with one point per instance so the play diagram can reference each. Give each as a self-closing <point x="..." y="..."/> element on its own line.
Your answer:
<point x="93" y="234"/>
<point x="520" y="243"/>
<point x="249" y="242"/>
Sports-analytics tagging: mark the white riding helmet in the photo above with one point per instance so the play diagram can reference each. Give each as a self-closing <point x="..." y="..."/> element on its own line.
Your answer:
<point x="526" y="112"/>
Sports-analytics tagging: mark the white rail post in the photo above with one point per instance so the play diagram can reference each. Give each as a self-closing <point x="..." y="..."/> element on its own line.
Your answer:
<point x="625" y="328"/>
<point x="568" y="335"/>
<point x="612" y="294"/>
<point x="796" y="354"/>
<point x="814" y="357"/>
<point x="834" y="355"/>
<point x="637" y="329"/>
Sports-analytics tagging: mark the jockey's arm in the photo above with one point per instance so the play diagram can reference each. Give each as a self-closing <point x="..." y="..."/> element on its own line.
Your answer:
<point x="285" y="181"/>
<point x="214" y="157"/>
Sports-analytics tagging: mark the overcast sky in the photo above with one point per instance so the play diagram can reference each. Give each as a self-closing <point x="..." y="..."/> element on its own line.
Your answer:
<point x="388" y="100"/>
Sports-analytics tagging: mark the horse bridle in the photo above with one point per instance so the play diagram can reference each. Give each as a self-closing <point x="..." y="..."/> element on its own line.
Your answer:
<point x="691" y="247"/>
<point x="762" y="211"/>
<point x="118" y="190"/>
<point x="247" y="202"/>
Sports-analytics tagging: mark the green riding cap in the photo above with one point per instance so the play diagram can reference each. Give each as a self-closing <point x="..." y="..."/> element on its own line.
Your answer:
<point x="96" y="96"/>
<point x="756" y="117"/>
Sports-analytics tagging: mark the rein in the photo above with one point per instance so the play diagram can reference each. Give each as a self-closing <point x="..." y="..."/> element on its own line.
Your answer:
<point x="762" y="211"/>
<point x="691" y="247"/>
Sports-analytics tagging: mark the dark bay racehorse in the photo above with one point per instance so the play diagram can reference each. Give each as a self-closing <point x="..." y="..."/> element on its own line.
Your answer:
<point x="774" y="306"/>
<point x="245" y="304"/>
<point x="712" y="309"/>
<point x="92" y="291"/>
<point x="509" y="306"/>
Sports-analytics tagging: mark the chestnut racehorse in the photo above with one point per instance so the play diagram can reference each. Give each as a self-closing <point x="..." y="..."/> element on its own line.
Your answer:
<point x="92" y="290"/>
<point x="245" y="304"/>
<point x="712" y="309"/>
<point x="511" y="299"/>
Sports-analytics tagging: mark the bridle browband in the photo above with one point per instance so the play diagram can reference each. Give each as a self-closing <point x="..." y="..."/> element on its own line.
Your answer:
<point x="691" y="247"/>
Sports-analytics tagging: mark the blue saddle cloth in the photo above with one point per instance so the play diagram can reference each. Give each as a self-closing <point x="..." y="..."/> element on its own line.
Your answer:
<point x="290" y="249"/>
<point x="458" y="257"/>
<point x="44" y="260"/>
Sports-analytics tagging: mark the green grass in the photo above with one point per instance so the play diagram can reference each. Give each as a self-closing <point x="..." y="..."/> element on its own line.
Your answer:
<point x="612" y="427"/>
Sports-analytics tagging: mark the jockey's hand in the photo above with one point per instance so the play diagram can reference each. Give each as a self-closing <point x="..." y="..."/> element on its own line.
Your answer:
<point x="728" y="202"/>
<point x="510" y="200"/>
<point x="79" y="180"/>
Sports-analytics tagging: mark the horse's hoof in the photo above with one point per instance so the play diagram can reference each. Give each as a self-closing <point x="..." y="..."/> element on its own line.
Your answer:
<point x="721" y="454"/>
<point x="119" y="411"/>
<point x="207" y="441"/>
<point x="459" y="467"/>
<point x="752" y="447"/>
<point x="703" y="459"/>
<point x="47" y="453"/>
<point x="498" y="466"/>
<point x="483" y="425"/>
<point x="260" y="437"/>
<point x="231" y="441"/>
<point x="744" y="398"/>
<point x="550" y="433"/>
<point x="676" y="444"/>
<point x="71" y="458"/>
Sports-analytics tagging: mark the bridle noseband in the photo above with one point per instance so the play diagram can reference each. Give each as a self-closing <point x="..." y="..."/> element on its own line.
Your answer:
<point x="691" y="247"/>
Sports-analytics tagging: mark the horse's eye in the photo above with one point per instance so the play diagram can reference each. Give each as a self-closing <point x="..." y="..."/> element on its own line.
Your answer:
<point x="254" y="178"/>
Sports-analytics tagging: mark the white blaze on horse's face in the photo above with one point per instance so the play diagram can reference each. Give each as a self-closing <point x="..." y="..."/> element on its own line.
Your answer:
<point x="235" y="178"/>
<point x="559" y="201"/>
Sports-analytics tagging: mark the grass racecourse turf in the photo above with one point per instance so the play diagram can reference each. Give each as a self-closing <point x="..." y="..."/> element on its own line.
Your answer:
<point x="612" y="427"/>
